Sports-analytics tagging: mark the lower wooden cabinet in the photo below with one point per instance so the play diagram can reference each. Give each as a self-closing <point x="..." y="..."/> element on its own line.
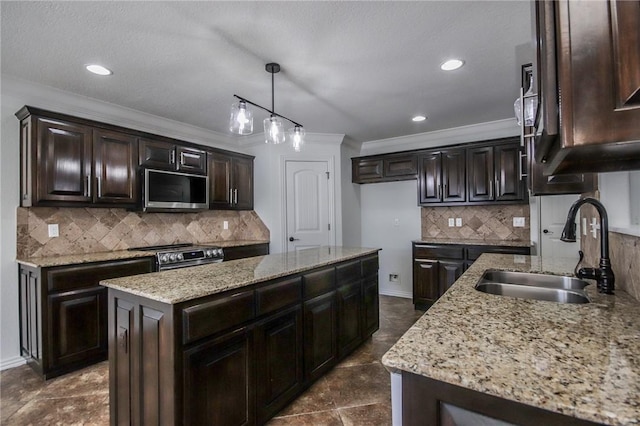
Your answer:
<point x="63" y="313"/>
<point x="240" y="252"/>
<point x="437" y="266"/>
<point x="176" y="364"/>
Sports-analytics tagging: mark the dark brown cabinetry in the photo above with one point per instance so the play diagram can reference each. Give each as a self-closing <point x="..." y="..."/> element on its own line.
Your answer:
<point x="495" y="173"/>
<point x="240" y="252"/>
<point x="237" y="357"/>
<point x="231" y="178"/>
<point x="587" y="55"/>
<point x="68" y="163"/>
<point x="163" y="155"/>
<point x="63" y="313"/>
<point x="384" y="168"/>
<point x="441" y="177"/>
<point x="437" y="266"/>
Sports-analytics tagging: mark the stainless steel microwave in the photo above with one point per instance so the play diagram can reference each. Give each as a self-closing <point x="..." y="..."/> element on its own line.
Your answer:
<point x="174" y="191"/>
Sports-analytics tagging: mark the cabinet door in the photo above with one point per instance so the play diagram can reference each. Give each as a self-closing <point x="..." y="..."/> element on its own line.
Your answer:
<point x="78" y="326"/>
<point x="508" y="169"/>
<point x="191" y="160"/>
<point x="365" y="170"/>
<point x="320" y="335"/>
<point x="349" y="317"/>
<point x="370" y="306"/>
<point x="400" y="167"/>
<point x="221" y="195"/>
<point x="115" y="167"/>
<point x="242" y="172"/>
<point x="429" y="178"/>
<point x="30" y="303"/>
<point x="157" y="154"/>
<point x="453" y="176"/>
<point x="218" y="385"/>
<point x="64" y="161"/>
<point x="279" y="364"/>
<point x="480" y="173"/>
<point x="425" y="281"/>
<point x="448" y="273"/>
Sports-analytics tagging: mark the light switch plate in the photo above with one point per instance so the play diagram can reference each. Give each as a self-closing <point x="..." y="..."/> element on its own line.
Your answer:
<point x="451" y="222"/>
<point x="458" y="222"/>
<point x="518" y="222"/>
<point x="53" y="230"/>
<point x="396" y="222"/>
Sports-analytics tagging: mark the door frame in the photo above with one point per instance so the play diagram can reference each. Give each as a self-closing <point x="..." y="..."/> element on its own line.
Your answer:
<point x="330" y="188"/>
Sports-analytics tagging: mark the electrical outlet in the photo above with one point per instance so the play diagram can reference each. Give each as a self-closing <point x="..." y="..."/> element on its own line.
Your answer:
<point x="225" y="225"/>
<point x="451" y="222"/>
<point x="396" y="222"/>
<point x="458" y="222"/>
<point x="518" y="222"/>
<point x="394" y="278"/>
<point x="53" y="230"/>
<point x="595" y="227"/>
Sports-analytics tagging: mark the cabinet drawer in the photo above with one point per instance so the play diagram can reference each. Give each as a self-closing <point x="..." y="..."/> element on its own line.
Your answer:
<point x="208" y="318"/>
<point x="370" y="266"/>
<point x="348" y="272"/>
<point x="278" y="295"/>
<point x="474" y="252"/>
<point x="401" y="166"/>
<point x="75" y="277"/>
<point x="438" y="252"/>
<point x="317" y="283"/>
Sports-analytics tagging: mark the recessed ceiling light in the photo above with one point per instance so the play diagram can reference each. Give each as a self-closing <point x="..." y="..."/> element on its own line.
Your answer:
<point x="452" y="64"/>
<point x="98" y="69"/>
<point x="419" y="118"/>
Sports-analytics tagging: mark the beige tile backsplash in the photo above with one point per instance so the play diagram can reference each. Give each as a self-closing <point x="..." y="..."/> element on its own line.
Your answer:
<point x="478" y="222"/>
<point x="90" y="230"/>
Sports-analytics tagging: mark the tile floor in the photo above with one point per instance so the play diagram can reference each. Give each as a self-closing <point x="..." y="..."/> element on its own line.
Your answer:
<point x="355" y="392"/>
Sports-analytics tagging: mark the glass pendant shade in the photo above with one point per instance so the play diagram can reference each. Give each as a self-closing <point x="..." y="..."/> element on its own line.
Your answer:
<point x="273" y="130"/>
<point x="241" y="121"/>
<point x="297" y="137"/>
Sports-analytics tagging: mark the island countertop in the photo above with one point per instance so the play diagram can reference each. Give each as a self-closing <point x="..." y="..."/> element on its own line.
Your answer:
<point x="180" y="285"/>
<point x="581" y="360"/>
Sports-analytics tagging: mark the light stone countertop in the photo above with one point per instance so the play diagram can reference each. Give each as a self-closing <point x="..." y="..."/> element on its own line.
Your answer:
<point x="582" y="360"/>
<point x="508" y="243"/>
<point x="180" y="285"/>
<point x="72" y="259"/>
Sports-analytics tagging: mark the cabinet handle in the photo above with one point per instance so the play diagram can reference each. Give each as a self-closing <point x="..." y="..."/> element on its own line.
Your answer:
<point x="520" y="168"/>
<point x="439" y="192"/>
<point x="445" y="194"/>
<point x="235" y="196"/>
<point x="88" y="182"/>
<point x="231" y="196"/>
<point x="172" y="158"/>
<point x="497" y="191"/>
<point x="123" y="339"/>
<point x="491" y="188"/>
<point x="99" y="186"/>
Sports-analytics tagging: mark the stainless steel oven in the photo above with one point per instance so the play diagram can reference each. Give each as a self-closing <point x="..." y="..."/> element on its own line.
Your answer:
<point x="176" y="256"/>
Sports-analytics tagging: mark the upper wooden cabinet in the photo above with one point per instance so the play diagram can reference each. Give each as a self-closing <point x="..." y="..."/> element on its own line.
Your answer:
<point x="163" y="155"/>
<point x="231" y="181"/>
<point x="384" y="168"/>
<point x="495" y="173"/>
<point x="69" y="163"/>
<point x="441" y="177"/>
<point x="588" y="66"/>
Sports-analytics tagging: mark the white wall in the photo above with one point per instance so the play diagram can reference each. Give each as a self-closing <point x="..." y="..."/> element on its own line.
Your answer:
<point x="391" y="220"/>
<point x="351" y="211"/>
<point x="16" y="94"/>
<point x="268" y="179"/>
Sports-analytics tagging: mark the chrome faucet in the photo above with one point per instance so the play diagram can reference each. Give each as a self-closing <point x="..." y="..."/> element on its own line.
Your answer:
<point x="603" y="274"/>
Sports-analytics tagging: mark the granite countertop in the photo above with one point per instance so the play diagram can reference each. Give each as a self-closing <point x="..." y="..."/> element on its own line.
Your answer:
<point x="582" y="360"/>
<point x="180" y="285"/>
<point x="72" y="259"/>
<point x="509" y="243"/>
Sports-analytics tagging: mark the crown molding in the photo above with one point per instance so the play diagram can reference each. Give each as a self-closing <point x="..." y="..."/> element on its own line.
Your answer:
<point x="53" y="99"/>
<point x="257" y="139"/>
<point x="454" y="135"/>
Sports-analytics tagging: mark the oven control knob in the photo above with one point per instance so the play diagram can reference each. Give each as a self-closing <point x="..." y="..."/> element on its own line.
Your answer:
<point x="173" y="257"/>
<point x="164" y="258"/>
<point x="219" y="252"/>
<point x="180" y="257"/>
<point x="207" y="253"/>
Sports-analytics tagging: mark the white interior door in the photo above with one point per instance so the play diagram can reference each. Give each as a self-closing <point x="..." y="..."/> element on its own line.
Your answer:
<point x="308" y="207"/>
<point x="553" y="215"/>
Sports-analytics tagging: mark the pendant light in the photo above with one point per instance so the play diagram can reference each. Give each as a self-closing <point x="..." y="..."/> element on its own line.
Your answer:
<point x="241" y="120"/>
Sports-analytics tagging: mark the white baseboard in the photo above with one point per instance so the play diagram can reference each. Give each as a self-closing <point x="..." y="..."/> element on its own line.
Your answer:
<point x="396" y="293"/>
<point x="16" y="361"/>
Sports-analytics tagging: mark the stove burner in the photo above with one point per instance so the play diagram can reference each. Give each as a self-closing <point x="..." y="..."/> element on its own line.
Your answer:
<point x="161" y="247"/>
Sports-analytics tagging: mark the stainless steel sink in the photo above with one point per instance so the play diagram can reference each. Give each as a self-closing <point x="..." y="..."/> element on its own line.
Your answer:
<point x="552" y="288"/>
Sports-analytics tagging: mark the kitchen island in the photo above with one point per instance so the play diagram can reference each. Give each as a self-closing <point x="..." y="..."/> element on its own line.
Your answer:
<point x="476" y="356"/>
<point x="234" y="342"/>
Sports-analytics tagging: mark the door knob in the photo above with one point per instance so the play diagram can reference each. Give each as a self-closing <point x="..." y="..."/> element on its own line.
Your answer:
<point x="294" y="239"/>
<point x="546" y="231"/>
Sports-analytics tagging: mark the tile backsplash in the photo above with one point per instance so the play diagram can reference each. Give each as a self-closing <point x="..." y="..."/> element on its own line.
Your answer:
<point x="478" y="222"/>
<point x="90" y="230"/>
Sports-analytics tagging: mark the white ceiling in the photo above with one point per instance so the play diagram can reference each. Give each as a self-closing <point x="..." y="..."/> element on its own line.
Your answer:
<point x="358" y="68"/>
